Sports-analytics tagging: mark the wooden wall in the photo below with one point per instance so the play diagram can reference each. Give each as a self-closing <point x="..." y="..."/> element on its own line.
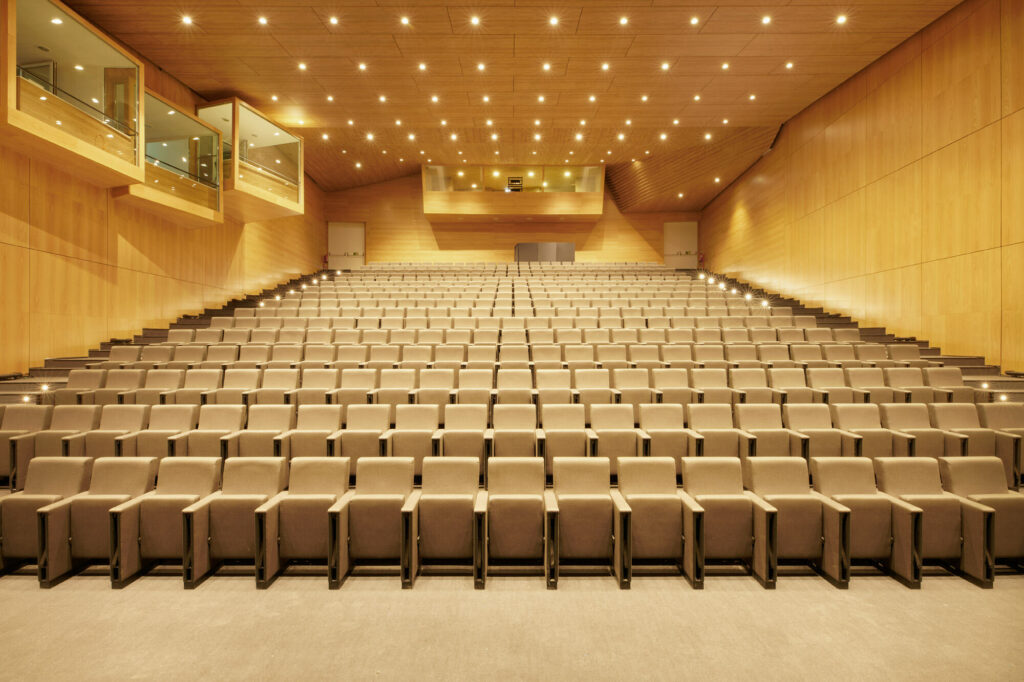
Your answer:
<point x="898" y="198"/>
<point x="78" y="267"/>
<point x="396" y="229"/>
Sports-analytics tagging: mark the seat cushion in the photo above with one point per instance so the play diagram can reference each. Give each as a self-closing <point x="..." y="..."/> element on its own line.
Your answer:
<point x="309" y="443"/>
<point x="20" y="525"/>
<point x="615" y="443"/>
<point x="720" y="443"/>
<point x="204" y="443"/>
<point x="515" y="527"/>
<point x="256" y="443"/>
<point x="356" y="443"/>
<point x="799" y="519"/>
<point x="302" y="523"/>
<point x="824" y="442"/>
<point x="940" y="525"/>
<point x="160" y="525"/>
<point x="515" y="443"/>
<point x="233" y="526"/>
<point x="1009" y="523"/>
<point x="585" y="526"/>
<point x="870" y="525"/>
<point x="375" y="527"/>
<point x="90" y="525"/>
<point x="446" y="526"/>
<point x="568" y="443"/>
<point x="463" y="444"/>
<point x="728" y="526"/>
<point x="771" y="442"/>
<point x="657" y="526"/>
<point x="152" y="443"/>
<point x="875" y="442"/>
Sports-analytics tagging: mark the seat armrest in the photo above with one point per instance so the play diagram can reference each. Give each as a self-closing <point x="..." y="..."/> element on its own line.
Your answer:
<point x="195" y="561"/>
<point x="799" y="444"/>
<point x="126" y="445"/>
<point x="695" y="442"/>
<point x="409" y="560"/>
<point x="622" y="555"/>
<point x="835" y="559"/>
<point x="693" y="540"/>
<point x="748" y="442"/>
<point x="385" y="442"/>
<point x="338" y="564"/>
<point x="177" y="444"/>
<point x="944" y="393"/>
<point x="851" y="444"/>
<point x="127" y="397"/>
<point x="541" y="442"/>
<point x="272" y="504"/>
<point x="592" y="440"/>
<point x="645" y="442"/>
<point x="550" y="501"/>
<point x="905" y="561"/>
<point x="229" y="444"/>
<point x="977" y="559"/>
<point x="766" y="548"/>
<point x="903" y="444"/>
<point x="73" y="445"/>
<point x="435" y="442"/>
<point x="480" y="503"/>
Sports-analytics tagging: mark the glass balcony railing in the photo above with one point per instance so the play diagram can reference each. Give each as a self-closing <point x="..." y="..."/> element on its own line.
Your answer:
<point x="182" y="154"/>
<point x="69" y="77"/>
<point x="512" y="178"/>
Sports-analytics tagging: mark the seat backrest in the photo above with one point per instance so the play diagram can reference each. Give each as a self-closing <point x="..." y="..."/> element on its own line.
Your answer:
<point x="554" y="416"/>
<point x="820" y="377"/>
<point x="125" y="378"/>
<point x="748" y="378"/>
<point x="758" y="416"/>
<point x="26" y="417"/>
<point x="280" y="378"/>
<point x="712" y="475"/>
<point x="871" y="351"/>
<point x="124" y="417"/>
<point x="943" y="377"/>
<point x="669" y="378"/>
<point x="804" y="352"/>
<point x="513" y="417"/>
<point x="864" y="416"/>
<point x="994" y="416"/>
<point x="778" y="475"/>
<point x="207" y="379"/>
<point x="806" y="416"/>
<point x="75" y="417"/>
<point x="173" y="417"/>
<point x="741" y="352"/>
<point x="592" y="378"/>
<point x="320" y="378"/>
<point x="221" y="417"/>
<point x="318" y="417"/>
<point x="843" y="475"/>
<point x="385" y="475"/>
<point x="253" y="353"/>
<point x="703" y="352"/>
<point x="244" y="379"/>
<point x="954" y="415"/>
<point x="904" y="416"/>
<point x="451" y="475"/>
<point x="515" y="476"/>
<point x="647" y="475"/>
<point x="416" y="417"/>
<point x="661" y="416"/>
<point x="677" y="352"/>
<point x="465" y="417"/>
<point x="908" y="475"/>
<point x="398" y="378"/>
<point x="611" y="416"/>
<point x="318" y="476"/>
<point x="476" y="378"/>
<point x="515" y="378"/>
<point x="166" y="379"/>
<point x="255" y="475"/>
<point x="903" y="376"/>
<point x="864" y="377"/>
<point x="271" y="417"/>
<point x="837" y="352"/>
<point x="367" y="417"/>
<point x="709" y="378"/>
<point x="631" y="378"/>
<point x="579" y="352"/>
<point x="85" y="379"/>
<point x="62" y="476"/>
<point x="553" y="378"/>
<point x="359" y="378"/>
<point x="769" y="352"/>
<point x="581" y="475"/>
<point x="904" y="351"/>
<point x="124" y="353"/>
<point x="973" y="475"/>
<point x="437" y="378"/>
<point x="123" y="476"/>
<point x="709" y="416"/>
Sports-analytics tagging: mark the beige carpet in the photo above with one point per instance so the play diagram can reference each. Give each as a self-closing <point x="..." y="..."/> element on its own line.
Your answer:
<point x="515" y="629"/>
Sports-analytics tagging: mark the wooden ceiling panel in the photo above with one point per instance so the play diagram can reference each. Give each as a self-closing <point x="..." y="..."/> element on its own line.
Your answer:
<point x="663" y="150"/>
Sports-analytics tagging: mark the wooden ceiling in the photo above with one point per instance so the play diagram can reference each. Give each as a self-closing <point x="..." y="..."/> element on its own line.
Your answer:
<point x="669" y="51"/>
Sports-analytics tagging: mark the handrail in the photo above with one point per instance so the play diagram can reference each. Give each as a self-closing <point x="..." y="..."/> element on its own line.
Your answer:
<point x="187" y="174"/>
<point x="269" y="171"/>
<point x="119" y="126"/>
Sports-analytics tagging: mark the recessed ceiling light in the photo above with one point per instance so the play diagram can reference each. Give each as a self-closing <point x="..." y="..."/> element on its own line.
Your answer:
<point x="664" y="66"/>
<point x="405" y="21"/>
<point x="171" y="112"/>
<point x="481" y="66"/>
<point x="593" y="98"/>
<point x="583" y="121"/>
<point x="362" y="66"/>
<point x="398" y="121"/>
<point x="95" y="101"/>
<point x="334" y="21"/>
<point x="534" y="153"/>
<point x="475" y="21"/>
<point x="680" y="195"/>
<point x="624" y="20"/>
<point x="444" y="122"/>
<point x="536" y="136"/>
<point x="79" y="67"/>
<point x="263" y="21"/>
<point x="487" y="98"/>
<point x="643" y="98"/>
<point x="412" y="136"/>
<point x="454" y="137"/>
<point x="694" y="20"/>
<point x="384" y="151"/>
<point x="369" y="137"/>
<point x="606" y="66"/>
<point x="718" y="179"/>
<point x="433" y="98"/>
<point x="841" y="19"/>
<point x="753" y="97"/>
<point x="460" y="154"/>
<point x="696" y="98"/>
<point x="622" y="136"/>
<point x="647" y="151"/>
<point x="302" y="66"/>
<point x="186" y="19"/>
<point x="422" y="152"/>
<point x="423" y="67"/>
<point x="725" y="66"/>
<point x="608" y="152"/>
<point x="629" y="121"/>
<point x="324" y="136"/>
<point x="496" y="152"/>
<point x="273" y="98"/>
<point x="766" y="19"/>
<point x="663" y="136"/>
<point x="494" y="136"/>
<point x="553" y="21"/>
<point x="579" y="137"/>
<point x="707" y="136"/>
<point x="675" y="121"/>
<point x="789" y="65"/>
<point x="383" y="98"/>
<point x="351" y="122"/>
<point x="330" y="98"/>
<point x="546" y="66"/>
<point x="725" y="121"/>
<point x="540" y="98"/>
<point x="489" y="122"/>
<point x="358" y="165"/>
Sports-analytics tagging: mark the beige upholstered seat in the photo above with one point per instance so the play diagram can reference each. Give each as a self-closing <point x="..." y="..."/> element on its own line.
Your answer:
<point x="20" y="421"/>
<point x="197" y="382"/>
<point x="910" y="354"/>
<point x="119" y="357"/>
<point x="158" y="382"/>
<point x="911" y="381"/>
<point x="673" y="385"/>
<point x="871" y="382"/>
<point x="771" y="437"/>
<point x="275" y="384"/>
<point x="829" y="386"/>
<point x="812" y="528"/>
<point x="366" y="523"/>
<point x="516" y="505"/>
<point x="465" y="433"/>
<point x="593" y="387"/>
<point x="79" y="381"/>
<point x="259" y="438"/>
<point x="951" y="379"/>
<point x="982" y="480"/>
<point x="236" y="384"/>
<point x="76" y="530"/>
<point x="723" y="522"/>
<point x="791" y="384"/>
<point x="165" y="422"/>
<point x="712" y="386"/>
<point x="356" y="387"/>
<point x="648" y="486"/>
<point x="47" y="480"/>
<point x="754" y="385"/>
<point x="115" y="383"/>
<point x="185" y="357"/>
<point x="865" y="421"/>
<point x="315" y="387"/>
<point x="711" y="433"/>
<point x="966" y="436"/>
<point x="952" y="527"/>
<point x="1006" y="417"/>
<point x="554" y="386"/>
<point x="316" y="433"/>
<point x="115" y="421"/>
<point x="663" y="427"/>
<point x="514" y="432"/>
<point x="634" y="388"/>
<point x="823" y="440"/>
<point x="565" y="433"/>
<point x="222" y="526"/>
<point x="294" y="526"/>
<point x="450" y="496"/>
<point x="617" y="437"/>
<point x="514" y="386"/>
<point x="912" y="419"/>
<point x="215" y="422"/>
<point x="66" y="420"/>
<point x="436" y="387"/>
<point x="416" y="435"/>
<point x="588" y="526"/>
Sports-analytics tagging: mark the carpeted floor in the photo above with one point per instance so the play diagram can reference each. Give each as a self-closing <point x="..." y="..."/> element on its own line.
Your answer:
<point x="515" y="629"/>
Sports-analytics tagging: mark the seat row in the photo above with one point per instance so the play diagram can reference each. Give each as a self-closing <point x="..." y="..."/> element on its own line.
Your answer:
<point x="340" y="321"/>
<point x="132" y="513"/>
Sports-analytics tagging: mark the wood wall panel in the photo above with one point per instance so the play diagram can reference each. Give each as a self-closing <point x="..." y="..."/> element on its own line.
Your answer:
<point x="902" y="200"/>
<point x="14" y="278"/>
<point x="397" y="230"/>
<point x="14" y="197"/>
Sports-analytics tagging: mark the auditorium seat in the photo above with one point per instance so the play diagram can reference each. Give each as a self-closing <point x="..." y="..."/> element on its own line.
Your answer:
<point x="910" y="380"/>
<point x="66" y="420"/>
<point x="366" y="524"/>
<point x="517" y="506"/>
<point x="910" y="354"/>
<point x="656" y="530"/>
<point x="565" y="433"/>
<point x="829" y="386"/>
<point x="116" y="382"/>
<point x="356" y="387"/>
<point x="865" y="421"/>
<point x="415" y="435"/>
<point x="443" y="523"/>
<point x="184" y="357"/>
<point x="234" y="387"/>
<point x="725" y="522"/>
<point x="157" y="383"/>
<point x="259" y="438"/>
<point x="79" y="381"/>
<point x="753" y="383"/>
<point x="165" y="421"/>
<point x="46" y="481"/>
<point x="75" y="531"/>
<point x="465" y="434"/>
<point x="514" y="386"/>
<point x="514" y="432"/>
<point x="769" y="437"/>
<point x="951" y="379"/>
<point x="554" y="386"/>
<point x="616" y="435"/>
<point x="115" y="421"/>
<point x="811" y="527"/>
<point x="823" y="440"/>
<point x="1006" y="417"/>
<point x="118" y="358"/>
<point x="293" y="526"/>
<point x="222" y="526"/>
<point x="883" y="529"/>
<point x="912" y="419"/>
<point x="633" y="387"/>
<point x="953" y="528"/>
<point x="711" y="433"/>
<point x="20" y="421"/>
<point x="219" y="358"/>
<point x="712" y="386"/>
<point x="315" y="387"/>
<point x="275" y="385"/>
<point x="361" y="437"/>
<point x="966" y="436"/>
<point x="871" y="382"/>
<point x="215" y="422"/>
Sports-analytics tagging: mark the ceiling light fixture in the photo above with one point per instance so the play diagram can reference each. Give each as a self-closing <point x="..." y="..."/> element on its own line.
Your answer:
<point x="663" y="136"/>
<point x="382" y="98"/>
<point x="593" y="98"/>
<point x="546" y="66"/>
<point x="433" y="98"/>
<point x="725" y="66"/>
<point x="766" y="20"/>
<point x="481" y="66"/>
<point x="475" y="21"/>
<point x="536" y="121"/>
<point x="841" y="19"/>
<point x="536" y="136"/>
<point x="553" y="21"/>
<point x="606" y="66"/>
<point x="579" y="137"/>
<point x="540" y="98"/>
<point x="324" y="136"/>
<point x="623" y="21"/>
<point x="489" y="122"/>
<point x="696" y="98"/>
<point x="718" y="179"/>
<point x="405" y="21"/>
<point x="454" y="137"/>
<point x="263" y="21"/>
<point x="494" y="136"/>
<point x="707" y="136"/>
<point x="693" y="21"/>
<point x="186" y="19"/>
<point x="330" y="98"/>
<point x="79" y="67"/>
<point x="273" y="98"/>
<point x="423" y="67"/>
<point x="487" y="98"/>
<point x="334" y="21"/>
<point x="753" y="97"/>
<point x="621" y="136"/>
<point x="362" y="66"/>
<point x="675" y="121"/>
<point x="789" y="65"/>
<point x="664" y="66"/>
<point x="680" y="195"/>
<point x="369" y="137"/>
<point x="302" y="66"/>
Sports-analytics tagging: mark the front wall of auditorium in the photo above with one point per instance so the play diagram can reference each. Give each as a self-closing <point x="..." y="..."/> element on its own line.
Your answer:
<point x="899" y="197"/>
